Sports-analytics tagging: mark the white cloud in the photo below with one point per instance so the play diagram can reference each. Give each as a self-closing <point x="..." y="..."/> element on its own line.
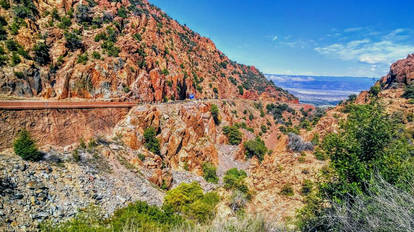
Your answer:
<point x="353" y="29"/>
<point x="367" y="51"/>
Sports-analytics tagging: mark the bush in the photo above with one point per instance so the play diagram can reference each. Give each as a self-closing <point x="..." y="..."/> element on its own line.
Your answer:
<point x="25" y="147"/>
<point x="41" y="51"/>
<point x="83" y="14"/>
<point x="73" y="41"/>
<point x="307" y="187"/>
<point x="368" y="144"/>
<point x="370" y="141"/>
<point x="110" y="48"/>
<point x="19" y="75"/>
<point x="122" y="12"/>
<point x="215" y="113"/>
<point x="82" y="58"/>
<point x="3" y="60"/>
<point x="256" y="148"/>
<point x="151" y="142"/>
<point x="137" y="216"/>
<point x="189" y="200"/>
<point x="409" y="92"/>
<point x="12" y="45"/>
<point x="209" y="173"/>
<point x="165" y="72"/>
<point x="287" y="190"/>
<point x="297" y="144"/>
<point x="96" y="55"/>
<point x="241" y="90"/>
<point x="5" y="4"/>
<point x="320" y="155"/>
<point x="15" y="59"/>
<point x="65" y="22"/>
<point x="315" y="139"/>
<point x="22" y="11"/>
<point x="233" y="134"/>
<point x="138" y="37"/>
<point x="374" y="91"/>
<point x="234" y="179"/>
<point x="3" y="33"/>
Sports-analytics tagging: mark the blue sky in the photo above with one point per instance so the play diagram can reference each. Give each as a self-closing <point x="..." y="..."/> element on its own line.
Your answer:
<point x="309" y="37"/>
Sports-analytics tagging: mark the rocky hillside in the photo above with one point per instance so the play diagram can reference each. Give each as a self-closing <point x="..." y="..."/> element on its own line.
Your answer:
<point x="98" y="160"/>
<point x="118" y="50"/>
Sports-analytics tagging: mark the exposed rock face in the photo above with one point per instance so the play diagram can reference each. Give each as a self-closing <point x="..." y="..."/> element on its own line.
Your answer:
<point x="189" y="136"/>
<point x="401" y="72"/>
<point x="134" y="51"/>
<point x="58" y="127"/>
<point x="33" y="192"/>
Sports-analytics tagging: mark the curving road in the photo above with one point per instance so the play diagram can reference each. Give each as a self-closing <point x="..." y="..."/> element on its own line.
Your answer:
<point x="38" y="105"/>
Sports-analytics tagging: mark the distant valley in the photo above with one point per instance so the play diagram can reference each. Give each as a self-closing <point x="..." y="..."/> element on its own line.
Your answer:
<point x="322" y="90"/>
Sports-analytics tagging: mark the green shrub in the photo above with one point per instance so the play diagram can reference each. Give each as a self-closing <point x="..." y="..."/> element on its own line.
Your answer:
<point x="287" y="190"/>
<point x="189" y="200"/>
<point x="65" y="22"/>
<point x="151" y="142"/>
<point x="73" y="41"/>
<point x="369" y="142"/>
<point x="15" y="59"/>
<point x="241" y="90"/>
<point x="19" y="75"/>
<point x="137" y="216"/>
<point x="41" y="51"/>
<point x="96" y="55"/>
<point x="409" y="92"/>
<point x="55" y="14"/>
<point x="315" y="139"/>
<point x="110" y="48"/>
<point x="215" y="113"/>
<point x="233" y="134"/>
<point x="234" y="179"/>
<point x="3" y="60"/>
<point x="22" y="11"/>
<point x="25" y="147"/>
<point x="5" y="4"/>
<point x="3" y="33"/>
<point x="82" y="58"/>
<point x="144" y="218"/>
<point x="12" y="45"/>
<point x="122" y="12"/>
<point x="100" y="36"/>
<point x="307" y="187"/>
<point x="320" y="155"/>
<point x="209" y="173"/>
<point x="374" y="91"/>
<point x="165" y="72"/>
<point x="263" y="128"/>
<point x="138" y="37"/>
<point x="256" y="148"/>
<point x="2" y="50"/>
<point x="141" y="157"/>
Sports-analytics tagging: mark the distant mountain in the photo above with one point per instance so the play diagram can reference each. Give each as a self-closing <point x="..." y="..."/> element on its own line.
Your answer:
<point x="322" y="90"/>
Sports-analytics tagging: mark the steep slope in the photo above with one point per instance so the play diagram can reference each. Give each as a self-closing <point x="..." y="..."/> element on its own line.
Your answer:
<point x="118" y="50"/>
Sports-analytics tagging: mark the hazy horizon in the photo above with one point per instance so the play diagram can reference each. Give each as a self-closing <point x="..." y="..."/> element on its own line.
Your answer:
<point x="321" y="38"/>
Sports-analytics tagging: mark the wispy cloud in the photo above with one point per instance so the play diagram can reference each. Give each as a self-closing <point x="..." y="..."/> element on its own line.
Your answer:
<point x="374" y="51"/>
<point x="353" y="29"/>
